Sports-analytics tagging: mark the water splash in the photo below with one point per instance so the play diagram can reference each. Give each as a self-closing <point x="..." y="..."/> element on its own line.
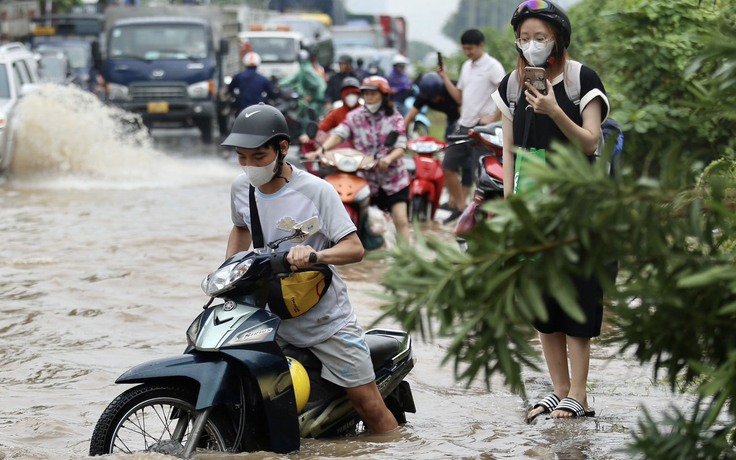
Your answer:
<point x="67" y="138"/>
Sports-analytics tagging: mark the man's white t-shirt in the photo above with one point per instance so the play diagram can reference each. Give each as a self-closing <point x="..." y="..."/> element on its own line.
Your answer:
<point x="303" y="197"/>
<point x="479" y="79"/>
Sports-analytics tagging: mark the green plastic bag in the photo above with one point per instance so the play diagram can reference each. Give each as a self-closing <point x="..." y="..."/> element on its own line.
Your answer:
<point x="522" y="183"/>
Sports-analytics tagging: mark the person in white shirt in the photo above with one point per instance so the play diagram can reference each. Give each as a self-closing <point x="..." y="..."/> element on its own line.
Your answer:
<point x="479" y="78"/>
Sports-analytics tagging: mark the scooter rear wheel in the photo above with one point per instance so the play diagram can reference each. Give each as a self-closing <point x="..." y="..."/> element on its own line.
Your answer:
<point x="419" y="208"/>
<point x="157" y="418"/>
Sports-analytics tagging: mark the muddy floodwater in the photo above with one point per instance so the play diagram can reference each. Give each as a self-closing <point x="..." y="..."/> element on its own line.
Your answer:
<point x="103" y="245"/>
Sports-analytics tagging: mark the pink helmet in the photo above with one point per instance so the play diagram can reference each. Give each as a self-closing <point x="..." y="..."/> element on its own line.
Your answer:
<point x="376" y="83"/>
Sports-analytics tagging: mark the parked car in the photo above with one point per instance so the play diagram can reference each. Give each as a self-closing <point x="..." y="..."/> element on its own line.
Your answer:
<point x="18" y="76"/>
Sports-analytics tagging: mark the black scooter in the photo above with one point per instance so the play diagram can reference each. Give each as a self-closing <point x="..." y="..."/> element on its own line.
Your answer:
<point x="234" y="389"/>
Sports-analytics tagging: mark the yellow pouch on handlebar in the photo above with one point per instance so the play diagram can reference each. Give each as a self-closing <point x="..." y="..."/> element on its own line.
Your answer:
<point x="296" y="293"/>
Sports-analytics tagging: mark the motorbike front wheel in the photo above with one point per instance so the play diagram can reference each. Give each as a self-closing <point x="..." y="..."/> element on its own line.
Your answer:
<point x="156" y="418"/>
<point x="419" y="129"/>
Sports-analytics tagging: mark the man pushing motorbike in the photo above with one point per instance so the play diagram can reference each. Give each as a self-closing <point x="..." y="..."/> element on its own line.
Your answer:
<point x="266" y="201"/>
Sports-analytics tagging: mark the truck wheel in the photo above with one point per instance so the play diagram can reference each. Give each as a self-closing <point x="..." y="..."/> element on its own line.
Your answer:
<point x="205" y="129"/>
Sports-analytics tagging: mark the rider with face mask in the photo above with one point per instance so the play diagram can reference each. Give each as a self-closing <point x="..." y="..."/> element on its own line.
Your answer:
<point x="535" y="121"/>
<point x="368" y="127"/>
<point x="284" y="196"/>
<point x="350" y="97"/>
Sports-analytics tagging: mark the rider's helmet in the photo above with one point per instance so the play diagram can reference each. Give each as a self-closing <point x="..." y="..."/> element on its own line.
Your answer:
<point x="251" y="59"/>
<point x="431" y="85"/>
<point x="399" y="59"/>
<point x="546" y="11"/>
<point x="255" y="126"/>
<point x="349" y="83"/>
<point x="376" y="83"/>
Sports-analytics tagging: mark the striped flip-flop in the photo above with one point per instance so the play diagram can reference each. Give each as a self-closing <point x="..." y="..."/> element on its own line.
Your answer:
<point x="574" y="407"/>
<point x="548" y="404"/>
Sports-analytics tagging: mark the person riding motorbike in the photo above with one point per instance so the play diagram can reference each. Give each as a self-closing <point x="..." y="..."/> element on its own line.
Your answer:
<point x="309" y="85"/>
<point x="350" y="97"/>
<point x="368" y="127"/>
<point x="284" y="195"/>
<point x="249" y="86"/>
<point x="433" y="94"/>
<point x="399" y="81"/>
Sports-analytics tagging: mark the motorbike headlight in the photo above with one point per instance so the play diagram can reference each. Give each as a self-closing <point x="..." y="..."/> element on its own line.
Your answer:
<point x="348" y="163"/>
<point x="223" y="278"/>
<point x="117" y="92"/>
<point x="199" y="90"/>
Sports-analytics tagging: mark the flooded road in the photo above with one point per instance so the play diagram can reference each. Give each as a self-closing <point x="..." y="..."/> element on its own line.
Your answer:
<point x="103" y="247"/>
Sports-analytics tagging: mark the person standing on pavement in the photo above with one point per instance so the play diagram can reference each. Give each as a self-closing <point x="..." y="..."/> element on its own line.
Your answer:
<point x="334" y="83"/>
<point x="250" y="87"/>
<point x="479" y="78"/>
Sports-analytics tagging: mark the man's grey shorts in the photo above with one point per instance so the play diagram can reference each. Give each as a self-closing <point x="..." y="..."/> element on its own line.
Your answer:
<point x="346" y="360"/>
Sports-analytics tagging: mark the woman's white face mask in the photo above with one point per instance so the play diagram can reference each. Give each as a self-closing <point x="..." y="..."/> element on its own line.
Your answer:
<point x="536" y="54"/>
<point x="373" y="108"/>
<point x="260" y="175"/>
<point x="351" y="100"/>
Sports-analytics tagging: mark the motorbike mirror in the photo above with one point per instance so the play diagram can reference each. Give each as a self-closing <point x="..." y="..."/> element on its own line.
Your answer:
<point x="307" y="228"/>
<point x="301" y="230"/>
<point x="312" y="130"/>
<point x="311" y="113"/>
<point x="391" y="139"/>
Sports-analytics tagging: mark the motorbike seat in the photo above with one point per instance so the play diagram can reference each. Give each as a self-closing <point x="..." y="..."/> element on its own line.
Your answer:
<point x="382" y="348"/>
<point x="490" y="128"/>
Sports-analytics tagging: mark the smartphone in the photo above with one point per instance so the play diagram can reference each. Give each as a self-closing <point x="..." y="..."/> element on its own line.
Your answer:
<point x="439" y="59"/>
<point x="537" y="77"/>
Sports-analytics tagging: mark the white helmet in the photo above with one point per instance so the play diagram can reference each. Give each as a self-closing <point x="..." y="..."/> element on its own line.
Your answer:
<point x="399" y="59"/>
<point x="251" y="59"/>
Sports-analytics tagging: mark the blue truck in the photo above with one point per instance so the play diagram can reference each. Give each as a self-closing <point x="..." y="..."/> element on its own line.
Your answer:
<point x="169" y="63"/>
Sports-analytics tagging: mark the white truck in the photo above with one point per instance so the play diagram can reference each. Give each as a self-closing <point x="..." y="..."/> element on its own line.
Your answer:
<point x="279" y="50"/>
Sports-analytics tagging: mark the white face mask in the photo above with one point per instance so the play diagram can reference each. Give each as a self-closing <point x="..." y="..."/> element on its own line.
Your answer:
<point x="536" y="54"/>
<point x="373" y="108"/>
<point x="351" y="100"/>
<point x="260" y="175"/>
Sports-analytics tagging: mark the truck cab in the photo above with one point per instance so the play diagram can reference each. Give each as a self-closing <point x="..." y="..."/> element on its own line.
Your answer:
<point x="170" y="69"/>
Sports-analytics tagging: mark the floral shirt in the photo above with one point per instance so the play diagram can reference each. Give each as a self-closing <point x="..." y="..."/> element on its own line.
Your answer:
<point x="368" y="132"/>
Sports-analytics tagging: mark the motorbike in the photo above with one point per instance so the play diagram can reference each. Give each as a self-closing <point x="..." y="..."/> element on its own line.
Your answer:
<point x="421" y="124"/>
<point x="235" y="389"/>
<point x="489" y="171"/>
<point x="427" y="180"/>
<point x="296" y="110"/>
<point x="374" y="226"/>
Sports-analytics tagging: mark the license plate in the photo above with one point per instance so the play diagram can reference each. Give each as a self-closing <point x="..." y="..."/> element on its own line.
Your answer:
<point x="158" y="107"/>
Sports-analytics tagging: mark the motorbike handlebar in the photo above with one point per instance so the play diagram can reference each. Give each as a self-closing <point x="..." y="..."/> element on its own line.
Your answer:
<point x="279" y="264"/>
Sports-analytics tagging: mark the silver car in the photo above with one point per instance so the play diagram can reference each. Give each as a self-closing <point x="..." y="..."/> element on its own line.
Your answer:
<point x="18" y="76"/>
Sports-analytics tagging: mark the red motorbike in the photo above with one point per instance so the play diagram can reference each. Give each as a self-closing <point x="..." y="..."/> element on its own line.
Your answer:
<point x="427" y="178"/>
<point x="489" y="172"/>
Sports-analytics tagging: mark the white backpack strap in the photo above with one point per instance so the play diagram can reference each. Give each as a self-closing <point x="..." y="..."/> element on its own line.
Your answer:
<point x="572" y="81"/>
<point x="513" y="90"/>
